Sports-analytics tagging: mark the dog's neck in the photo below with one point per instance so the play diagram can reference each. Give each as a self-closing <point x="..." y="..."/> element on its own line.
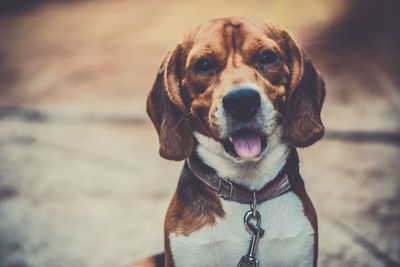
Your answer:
<point x="254" y="174"/>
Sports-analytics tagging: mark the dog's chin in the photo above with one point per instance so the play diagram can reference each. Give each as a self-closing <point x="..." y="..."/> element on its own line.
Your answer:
<point x="245" y="145"/>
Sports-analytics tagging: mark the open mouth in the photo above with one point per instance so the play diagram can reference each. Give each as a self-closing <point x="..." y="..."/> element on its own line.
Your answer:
<point x="245" y="144"/>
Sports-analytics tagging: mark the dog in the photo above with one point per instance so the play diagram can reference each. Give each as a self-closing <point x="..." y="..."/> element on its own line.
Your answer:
<point x="234" y="100"/>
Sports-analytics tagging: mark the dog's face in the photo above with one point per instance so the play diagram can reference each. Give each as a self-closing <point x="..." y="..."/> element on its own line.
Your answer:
<point x="236" y="80"/>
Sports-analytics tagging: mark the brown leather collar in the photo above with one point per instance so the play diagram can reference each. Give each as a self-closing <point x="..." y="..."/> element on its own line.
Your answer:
<point x="229" y="190"/>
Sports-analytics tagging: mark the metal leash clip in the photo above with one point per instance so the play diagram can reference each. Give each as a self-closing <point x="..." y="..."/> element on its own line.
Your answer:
<point x="252" y="223"/>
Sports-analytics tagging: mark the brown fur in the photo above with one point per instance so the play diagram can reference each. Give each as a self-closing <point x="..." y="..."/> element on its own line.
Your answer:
<point x="167" y="112"/>
<point x="310" y="213"/>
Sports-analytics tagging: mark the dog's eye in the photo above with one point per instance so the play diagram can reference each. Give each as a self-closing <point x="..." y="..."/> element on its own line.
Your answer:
<point x="267" y="58"/>
<point x="204" y="65"/>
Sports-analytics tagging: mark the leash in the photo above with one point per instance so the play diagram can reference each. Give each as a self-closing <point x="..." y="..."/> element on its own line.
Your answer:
<point x="228" y="190"/>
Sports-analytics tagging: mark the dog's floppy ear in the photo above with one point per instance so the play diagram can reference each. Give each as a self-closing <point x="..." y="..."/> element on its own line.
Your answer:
<point x="167" y="110"/>
<point x="305" y="94"/>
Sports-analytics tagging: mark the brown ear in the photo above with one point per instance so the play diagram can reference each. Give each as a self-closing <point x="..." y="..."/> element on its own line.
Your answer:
<point x="304" y="97"/>
<point x="167" y="111"/>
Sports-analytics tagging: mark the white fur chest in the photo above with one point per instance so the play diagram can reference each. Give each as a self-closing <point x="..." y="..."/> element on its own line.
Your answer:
<point x="288" y="239"/>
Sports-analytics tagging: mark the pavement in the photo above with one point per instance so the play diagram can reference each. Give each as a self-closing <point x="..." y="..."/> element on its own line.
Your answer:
<point x="81" y="181"/>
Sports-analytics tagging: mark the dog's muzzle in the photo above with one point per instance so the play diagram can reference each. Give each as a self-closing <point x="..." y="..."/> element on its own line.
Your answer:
<point x="246" y="141"/>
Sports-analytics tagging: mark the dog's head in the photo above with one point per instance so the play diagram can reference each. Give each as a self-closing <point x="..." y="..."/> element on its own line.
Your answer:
<point x="236" y="80"/>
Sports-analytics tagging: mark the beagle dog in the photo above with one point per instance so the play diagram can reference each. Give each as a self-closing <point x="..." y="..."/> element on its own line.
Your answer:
<point x="234" y="99"/>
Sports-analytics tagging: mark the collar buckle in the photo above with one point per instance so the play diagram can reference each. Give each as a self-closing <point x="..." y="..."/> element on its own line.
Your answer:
<point x="230" y="188"/>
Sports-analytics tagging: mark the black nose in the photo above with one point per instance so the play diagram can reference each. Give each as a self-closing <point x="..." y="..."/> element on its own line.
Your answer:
<point x="242" y="104"/>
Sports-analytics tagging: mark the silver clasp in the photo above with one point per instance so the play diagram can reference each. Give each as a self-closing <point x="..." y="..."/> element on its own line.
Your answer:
<point x="230" y="186"/>
<point x="252" y="223"/>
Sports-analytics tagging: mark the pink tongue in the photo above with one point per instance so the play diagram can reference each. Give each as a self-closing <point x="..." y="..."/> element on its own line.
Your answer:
<point x="248" y="146"/>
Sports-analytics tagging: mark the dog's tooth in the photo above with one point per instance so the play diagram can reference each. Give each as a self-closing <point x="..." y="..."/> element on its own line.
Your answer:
<point x="230" y="139"/>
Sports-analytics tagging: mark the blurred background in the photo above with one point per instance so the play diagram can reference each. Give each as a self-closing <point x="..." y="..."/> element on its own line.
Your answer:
<point x="81" y="182"/>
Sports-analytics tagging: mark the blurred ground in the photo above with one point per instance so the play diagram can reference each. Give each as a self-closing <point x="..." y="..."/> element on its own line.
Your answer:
<point x="81" y="182"/>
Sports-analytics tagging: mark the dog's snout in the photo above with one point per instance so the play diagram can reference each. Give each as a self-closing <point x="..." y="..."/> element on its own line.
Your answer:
<point x="242" y="104"/>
